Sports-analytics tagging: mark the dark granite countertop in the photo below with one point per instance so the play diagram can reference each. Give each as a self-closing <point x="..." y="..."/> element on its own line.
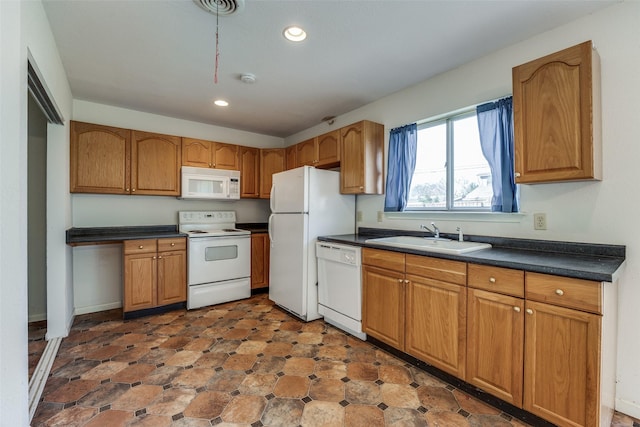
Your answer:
<point x="578" y="260"/>
<point x="80" y="235"/>
<point x="253" y="227"/>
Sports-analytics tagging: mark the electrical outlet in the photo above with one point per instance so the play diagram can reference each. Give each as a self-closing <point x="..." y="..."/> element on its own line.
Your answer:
<point x="539" y="221"/>
<point x="359" y="216"/>
<point x="380" y="216"/>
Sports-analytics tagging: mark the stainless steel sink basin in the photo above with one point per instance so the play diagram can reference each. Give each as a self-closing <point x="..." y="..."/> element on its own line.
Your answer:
<point x="444" y="246"/>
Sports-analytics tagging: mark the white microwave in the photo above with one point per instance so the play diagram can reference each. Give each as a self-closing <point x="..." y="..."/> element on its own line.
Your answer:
<point x="205" y="183"/>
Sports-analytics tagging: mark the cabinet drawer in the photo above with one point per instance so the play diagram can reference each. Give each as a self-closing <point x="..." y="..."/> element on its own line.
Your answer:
<point x="564" y="291"/>
<point x="383" y="259"/>
<point x="142" y="246"/>
<point x="167" y="245"/>
<point x="436" y="268"/>
<point x="497" y="279"/>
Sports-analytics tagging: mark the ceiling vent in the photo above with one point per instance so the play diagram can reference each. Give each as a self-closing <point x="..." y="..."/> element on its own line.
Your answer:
<point x="221" y="7"/>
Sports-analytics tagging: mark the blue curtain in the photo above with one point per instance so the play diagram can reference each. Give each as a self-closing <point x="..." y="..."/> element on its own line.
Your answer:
<point x="495" y="123"/>
<point x="403" y="145"/>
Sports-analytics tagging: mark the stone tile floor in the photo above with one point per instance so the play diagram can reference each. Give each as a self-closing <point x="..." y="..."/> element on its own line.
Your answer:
<point x="245" y="363"/>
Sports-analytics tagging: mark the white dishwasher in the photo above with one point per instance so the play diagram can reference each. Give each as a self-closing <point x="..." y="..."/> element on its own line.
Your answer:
<point x="340" y="286"/>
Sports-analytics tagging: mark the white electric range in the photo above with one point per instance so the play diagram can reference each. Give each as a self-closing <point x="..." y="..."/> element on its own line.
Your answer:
<point x="219" y="258"/>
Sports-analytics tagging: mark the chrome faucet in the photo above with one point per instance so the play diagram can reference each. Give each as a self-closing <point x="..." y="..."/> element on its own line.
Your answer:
<point x="435" y="231"/>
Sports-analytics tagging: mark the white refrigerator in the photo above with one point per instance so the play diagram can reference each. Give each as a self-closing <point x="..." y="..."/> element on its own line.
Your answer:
<point x="305" y="203"/>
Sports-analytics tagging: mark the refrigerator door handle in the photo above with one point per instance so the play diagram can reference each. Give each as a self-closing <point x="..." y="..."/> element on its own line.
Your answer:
<point x="272" y="199"/>
<point x="269" y="228"/>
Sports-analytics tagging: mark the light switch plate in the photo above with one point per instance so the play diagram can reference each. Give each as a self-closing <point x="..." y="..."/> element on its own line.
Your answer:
<point x="380" y="216"/>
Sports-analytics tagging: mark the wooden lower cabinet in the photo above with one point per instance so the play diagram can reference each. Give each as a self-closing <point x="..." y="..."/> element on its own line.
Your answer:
<point x="562" y="364"/>
<point x="155" y="273"/>
<point x="383" y="305"/>
<point x="495" y="341"/>
<point x="260" y="260"/>
<point x="436" y="321"/>
<point x="536" y="341"/>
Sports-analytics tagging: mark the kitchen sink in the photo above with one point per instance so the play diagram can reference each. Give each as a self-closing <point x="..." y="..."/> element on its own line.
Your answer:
<point x="440" y="245"/>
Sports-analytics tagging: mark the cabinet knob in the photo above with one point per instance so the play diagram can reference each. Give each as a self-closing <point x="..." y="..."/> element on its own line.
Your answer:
<point x="210" y="165"/>
<point x="529" y="311"/>
<point x="361" y="187"/>
<point x="127" y="189"/>
<point x="559" y="292"/>
<point x="133" y="189"/>
<point x="153" y="258"/>
<point x="400" y="280"/>
<point x="406" y="281"/>
<point x="140" y="247"/>
<point x="159" y="257"/>
<point x="517" y="174"/>
<point x="492" y="279"/>
<point x="173" y="244"/>
<point x="516" y="309"/>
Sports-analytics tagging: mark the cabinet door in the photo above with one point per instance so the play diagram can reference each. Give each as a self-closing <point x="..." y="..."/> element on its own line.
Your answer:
<point x="172" y="277"/>
<point x="562" y="364"/>
<point x="328" y="149"/>
<point x="553" y="107"/>
<point x="155" y="163"/>
<point x="383" y="305"/>
<point x="140" y="281"/>
<point x="361" y="158"/>
<point x="196" y="152"/>
<point x="495" y="341"/>
<point x="259" y="260"/>
<point x="352" y="166"/>
<point x="436" y="323"/>
<point x="100" y="159"/>
<point x="290" y="155"/>
<point x="306" y="154"/>
<point x="225" y="156"/>
<point x="271" y="161"/>
<point x="249" y="172"/>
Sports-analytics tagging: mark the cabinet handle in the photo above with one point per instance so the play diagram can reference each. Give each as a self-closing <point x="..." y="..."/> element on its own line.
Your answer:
<point x="529" y="311"/>
<point x="140" y="247"/>
<point x="492" y="279"/>
<point x="516" y="309"/>
<point x="559" y="292"/>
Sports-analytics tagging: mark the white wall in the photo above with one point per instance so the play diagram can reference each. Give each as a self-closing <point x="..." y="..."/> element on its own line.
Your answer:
<point x="601" y="212"/>
<point x="97" y="270"/>
<point x="24" y="30"/>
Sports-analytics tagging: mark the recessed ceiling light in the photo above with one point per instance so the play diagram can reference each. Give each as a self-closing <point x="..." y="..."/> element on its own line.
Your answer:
<point x="294" y="33"/>
<point x="221" y="103"/>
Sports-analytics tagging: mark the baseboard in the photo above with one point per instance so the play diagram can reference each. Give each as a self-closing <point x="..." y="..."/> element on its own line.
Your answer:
<point x="41" y="373"/>
<point x="97" y="308"/>
<point x="628" y="408"/>
<point x="37" y="317"/>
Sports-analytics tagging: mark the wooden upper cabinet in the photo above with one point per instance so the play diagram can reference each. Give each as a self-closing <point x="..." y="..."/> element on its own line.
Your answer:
<point x="271" y="161"/>
<point x="328" y="149"/>
<point x="155" y="161"/>
<point x="249" y="161"/>
<point x="556" y="109"/>
<point x="362" y="158"/>
<point x="306" y="153"/>
<point x="100" y="159"/>
<point x="209" y="154"/>
<point x="290" y="157"/>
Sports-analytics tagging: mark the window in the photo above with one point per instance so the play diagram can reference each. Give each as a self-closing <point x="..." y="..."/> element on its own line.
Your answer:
<point x="451" y="172"/>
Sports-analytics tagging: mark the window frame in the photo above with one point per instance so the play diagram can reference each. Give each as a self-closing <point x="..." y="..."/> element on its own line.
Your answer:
<point x="448" y="120"/>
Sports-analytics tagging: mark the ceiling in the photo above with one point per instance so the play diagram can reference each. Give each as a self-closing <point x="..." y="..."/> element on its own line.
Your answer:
<point x="159" y="56"/>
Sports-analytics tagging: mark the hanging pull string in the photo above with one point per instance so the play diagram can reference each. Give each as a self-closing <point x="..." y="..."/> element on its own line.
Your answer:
<point x="215" y="74"/>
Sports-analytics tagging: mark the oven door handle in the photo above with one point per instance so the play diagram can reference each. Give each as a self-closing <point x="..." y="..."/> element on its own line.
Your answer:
<point x="270" y="226"/>
<point x="210" y="239"/>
